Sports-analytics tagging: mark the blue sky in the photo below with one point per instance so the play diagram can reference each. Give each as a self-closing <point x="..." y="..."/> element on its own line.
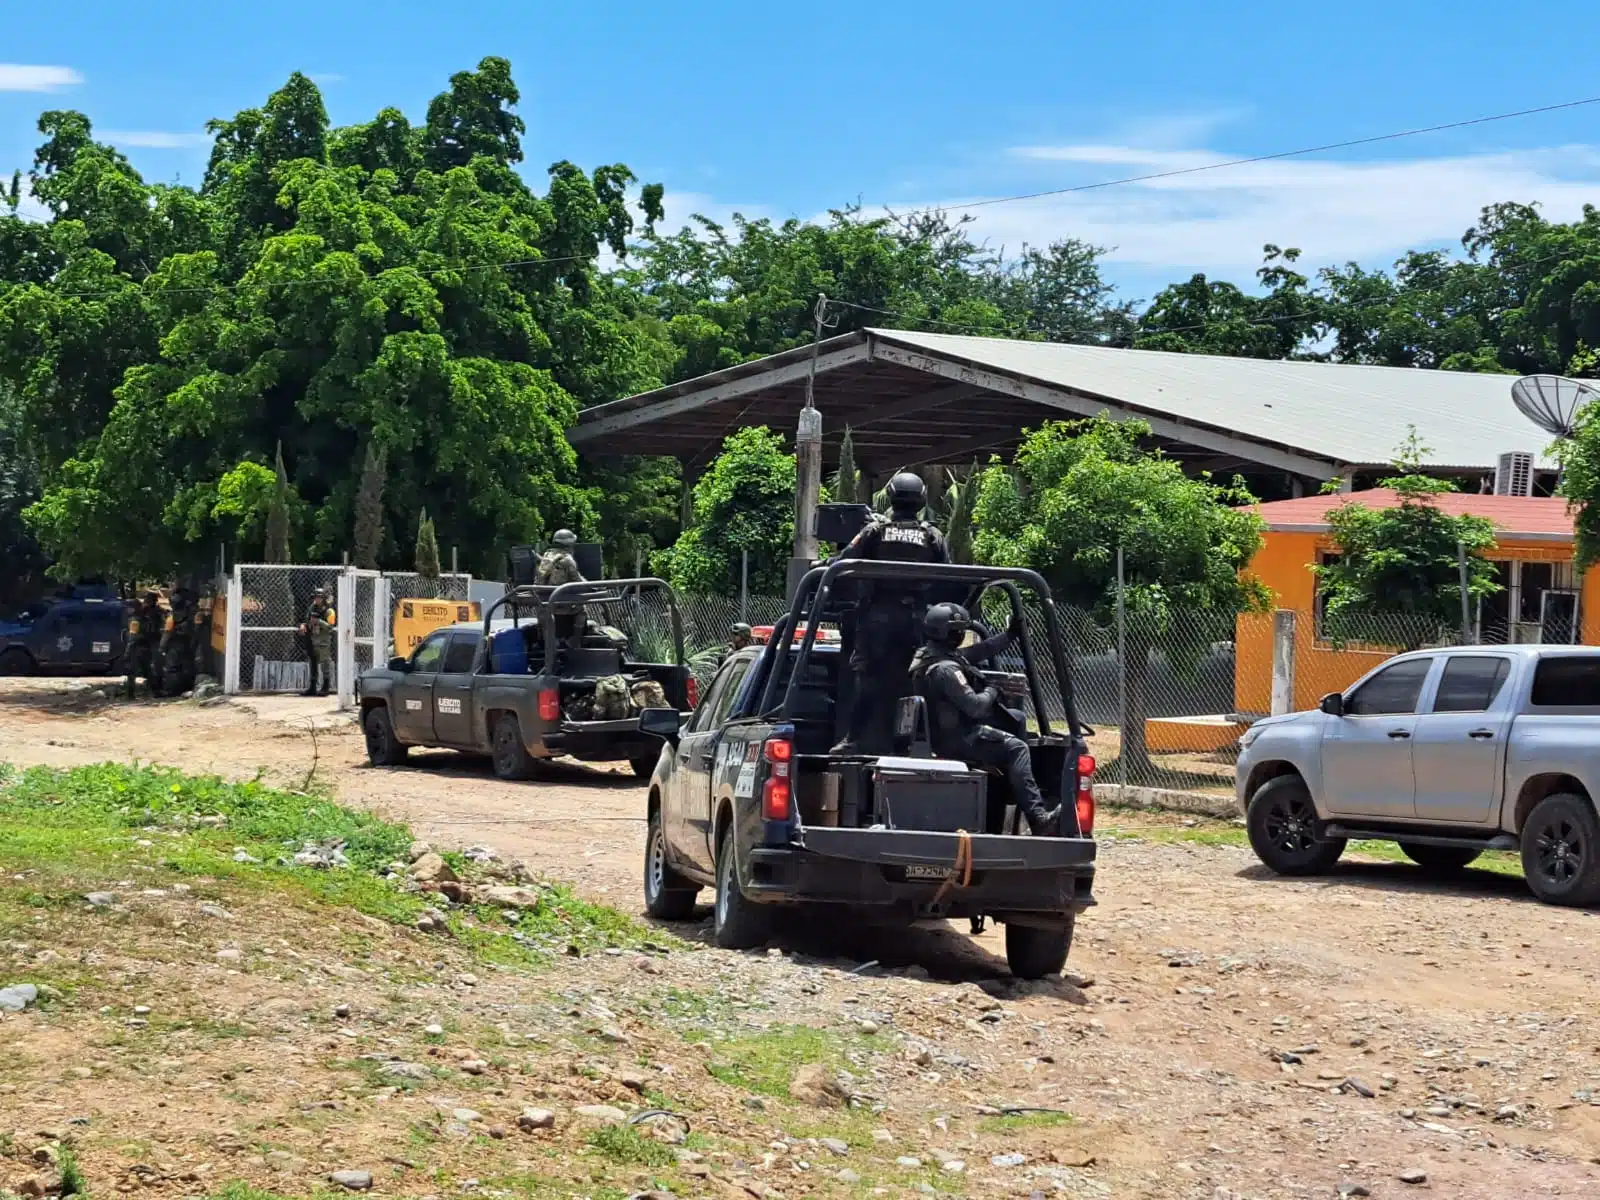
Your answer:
<point x="772" y="110"/>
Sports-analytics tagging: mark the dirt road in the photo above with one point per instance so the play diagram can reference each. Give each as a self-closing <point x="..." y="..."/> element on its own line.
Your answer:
<point x="1243" y="1035"/>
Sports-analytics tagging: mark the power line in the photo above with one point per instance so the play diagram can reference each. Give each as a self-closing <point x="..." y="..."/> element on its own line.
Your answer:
<point x="1260" y="158"/>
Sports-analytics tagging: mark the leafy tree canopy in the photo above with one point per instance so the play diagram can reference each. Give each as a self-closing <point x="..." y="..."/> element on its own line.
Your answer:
<point x="329" y="289"/>
<point x="1404" y="560"/>
<point x="745" y="501"/>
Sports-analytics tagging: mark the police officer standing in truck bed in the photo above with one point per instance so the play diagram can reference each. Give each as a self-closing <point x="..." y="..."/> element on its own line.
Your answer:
<point x="888" y="615"/>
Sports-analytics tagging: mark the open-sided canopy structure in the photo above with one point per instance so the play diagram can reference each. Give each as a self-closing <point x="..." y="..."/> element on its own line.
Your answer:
<point x="914" y="398"/>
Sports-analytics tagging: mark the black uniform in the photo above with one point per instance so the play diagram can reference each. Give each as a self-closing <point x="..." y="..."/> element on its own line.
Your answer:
<point x="961" y="706"/>
<point x="887" y="625"/>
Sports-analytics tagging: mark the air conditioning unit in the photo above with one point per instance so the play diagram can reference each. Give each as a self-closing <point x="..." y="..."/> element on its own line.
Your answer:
<point x="1513" y="474"/>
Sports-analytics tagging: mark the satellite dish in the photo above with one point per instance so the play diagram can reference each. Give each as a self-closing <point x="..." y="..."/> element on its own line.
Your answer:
<point x="1552" y="402"/>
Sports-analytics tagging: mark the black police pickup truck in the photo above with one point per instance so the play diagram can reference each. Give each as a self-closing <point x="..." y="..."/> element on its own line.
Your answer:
<point x="521" y="687"/>
<point x="747" y="799"/>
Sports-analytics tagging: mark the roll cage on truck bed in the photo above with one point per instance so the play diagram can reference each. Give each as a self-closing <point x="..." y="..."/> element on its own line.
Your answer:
<point x="748" y="799"/>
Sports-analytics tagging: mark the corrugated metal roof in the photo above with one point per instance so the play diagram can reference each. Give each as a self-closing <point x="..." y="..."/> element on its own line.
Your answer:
<point x="1356" y="415"/>
<point x="1540" y="518"/>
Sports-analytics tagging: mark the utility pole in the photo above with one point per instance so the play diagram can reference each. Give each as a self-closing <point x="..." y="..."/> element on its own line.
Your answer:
<point x="808" y="462"/>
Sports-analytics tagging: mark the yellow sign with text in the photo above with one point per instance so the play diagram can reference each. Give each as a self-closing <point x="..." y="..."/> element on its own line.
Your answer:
<point x="416" y="619"/>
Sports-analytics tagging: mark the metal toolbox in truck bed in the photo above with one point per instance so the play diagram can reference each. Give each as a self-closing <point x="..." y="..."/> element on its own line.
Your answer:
<point x="936" y="795"/>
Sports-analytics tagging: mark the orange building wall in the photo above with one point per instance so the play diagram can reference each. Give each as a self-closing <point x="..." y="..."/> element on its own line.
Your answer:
<point x="1284" y="564"/>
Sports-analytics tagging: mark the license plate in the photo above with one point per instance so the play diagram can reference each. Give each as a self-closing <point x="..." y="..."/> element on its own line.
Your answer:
<point x="925" y="871"/>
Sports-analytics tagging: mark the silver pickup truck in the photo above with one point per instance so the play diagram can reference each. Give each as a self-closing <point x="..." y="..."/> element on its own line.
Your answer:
<point x="1447" y="752"/>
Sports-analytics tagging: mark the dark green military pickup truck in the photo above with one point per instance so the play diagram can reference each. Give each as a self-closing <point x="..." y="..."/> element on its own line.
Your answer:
<point x="520" y="687"/>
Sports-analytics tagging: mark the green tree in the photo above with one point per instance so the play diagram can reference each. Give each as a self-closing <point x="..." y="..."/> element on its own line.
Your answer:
<point x="1397" y="579"/>
<point x="369" y="507"/>
<point x="277" y="547"/>
<point x="847" y="481"/>
<point x="744" y="501"/>
<point x="1204" y="316"/>
<point x="961" y="494"/>
<point x="725" y="294"/>
<point x="1075" y="493"/>
<point x="426" y="558"/>
<point x="322" y="288"/>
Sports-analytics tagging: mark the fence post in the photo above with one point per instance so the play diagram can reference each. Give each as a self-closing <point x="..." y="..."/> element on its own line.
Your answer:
<point x="1283" y="634"/>
<point x="382" y="609"/>
<point x="230" y="637"/>
<point x="1122" y="686"/>
<point x="744" y="586"/>
<point x="345" y="657"/>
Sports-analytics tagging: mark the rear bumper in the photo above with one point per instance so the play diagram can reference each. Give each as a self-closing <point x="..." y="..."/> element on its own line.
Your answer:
<point x="1047" y="879"/>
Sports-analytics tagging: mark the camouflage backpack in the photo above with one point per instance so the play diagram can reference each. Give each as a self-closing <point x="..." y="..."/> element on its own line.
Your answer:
<point x="647" y="693"/>
<point x="611" y="698"/>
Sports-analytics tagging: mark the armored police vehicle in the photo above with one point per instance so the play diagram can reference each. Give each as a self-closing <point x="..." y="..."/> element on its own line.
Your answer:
<point x="547" y="673"/>
<point x="748" y="798"/>
<point x="78" y="634"/>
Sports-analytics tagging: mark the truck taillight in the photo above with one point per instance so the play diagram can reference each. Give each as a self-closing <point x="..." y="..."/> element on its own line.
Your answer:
<point x="693" y="688"/>
<point x="550" y="705"/>
<point x="775" y="800"/>
<point x="1085" y="794"/>
<point x="777" y="792"/>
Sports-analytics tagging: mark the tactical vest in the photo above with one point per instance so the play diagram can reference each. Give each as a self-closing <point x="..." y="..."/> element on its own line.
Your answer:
<point x="907" y="541"/>
<point x="946" y="725"/>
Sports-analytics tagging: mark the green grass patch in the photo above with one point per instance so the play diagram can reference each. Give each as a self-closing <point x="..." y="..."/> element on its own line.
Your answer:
<point x="1217" y="833"/>
<point x="767" y="1062"/>
<point x="625" y="1144"/>
<point x="71" y="831"/>
<point x="1011" y="1122"/>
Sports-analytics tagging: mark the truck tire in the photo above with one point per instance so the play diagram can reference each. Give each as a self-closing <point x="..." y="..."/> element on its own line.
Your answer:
<point x="383" y="748"/>
<point x="510" y="756"/>
<point x="1281" y="822"/>
<point x="1033" y="953"/>
<point x="668" y="896"/>
<point x="1561" y="850"/>
<point x="736" y="924"/>
<point x="1439" y="860"/>
<point x="645" y="765"/>
<point x="16" y="661"/>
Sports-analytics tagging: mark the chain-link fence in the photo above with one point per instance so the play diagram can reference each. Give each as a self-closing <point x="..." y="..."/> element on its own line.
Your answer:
<point x="1166" y="696"/>
<point x="274" y="598"/>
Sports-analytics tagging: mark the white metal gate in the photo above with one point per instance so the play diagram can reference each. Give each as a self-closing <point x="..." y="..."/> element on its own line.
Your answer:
<point x="268" y="601"/>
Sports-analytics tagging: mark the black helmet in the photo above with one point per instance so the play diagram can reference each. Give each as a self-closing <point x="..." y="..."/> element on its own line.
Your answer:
<point x="946" y="624"/>
<point x="908" y="492"/>
<point x="565" y="537"/>
<point x="740" y="629"/>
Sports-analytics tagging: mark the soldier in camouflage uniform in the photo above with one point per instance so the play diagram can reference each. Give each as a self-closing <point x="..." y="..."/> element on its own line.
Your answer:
<point x="557" y="566"/>
<point x="144" y="630"/>
<point x="318" y="629"/>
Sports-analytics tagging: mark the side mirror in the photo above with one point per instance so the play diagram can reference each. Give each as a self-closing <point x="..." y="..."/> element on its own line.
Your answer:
<point x="1332" y="704"/>
<point x="399" y="664"/>
<point x="663" y="723"/>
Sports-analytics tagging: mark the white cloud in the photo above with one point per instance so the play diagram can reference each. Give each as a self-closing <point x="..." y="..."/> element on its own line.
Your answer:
<point x="322" y="78"/>
<point x="1334" y="210"/>
<point x="154" y="139"/>
<point x="19" y="77"/>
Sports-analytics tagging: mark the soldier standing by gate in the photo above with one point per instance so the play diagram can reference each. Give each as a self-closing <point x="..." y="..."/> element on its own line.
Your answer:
<point x="318" y="630"/>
